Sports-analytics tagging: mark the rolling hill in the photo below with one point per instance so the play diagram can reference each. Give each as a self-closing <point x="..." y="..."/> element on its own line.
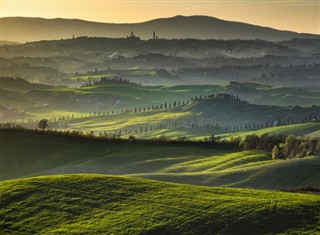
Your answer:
<point x="211" y="114"/>
<point x="165" y="62"/>
<point x="234" y="112"/>
<point x="199" y="165"/>
<point x="96" y="204"/>
<point x="19" y="84"/>
<point x="40" y="101"/>
<point x="311" y="129"/>
<point x="150" y="135"/>
<point x="201" y="27"/>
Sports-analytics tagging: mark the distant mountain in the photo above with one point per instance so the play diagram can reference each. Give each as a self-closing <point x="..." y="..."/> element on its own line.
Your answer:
<point x="200" y="27"/>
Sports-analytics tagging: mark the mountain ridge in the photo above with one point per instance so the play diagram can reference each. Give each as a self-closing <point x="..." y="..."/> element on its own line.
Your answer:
<point x="24" y="29"/>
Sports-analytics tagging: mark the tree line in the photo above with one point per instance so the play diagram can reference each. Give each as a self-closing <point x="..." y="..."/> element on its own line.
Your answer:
<point x="61" y="122"/>
<point x="280" y="146"/>
<point x="89" y="136"/>
<point x="109" y="81"/>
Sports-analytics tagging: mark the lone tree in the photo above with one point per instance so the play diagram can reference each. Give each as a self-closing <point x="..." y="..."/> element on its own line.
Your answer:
<point x="42" y="124"/>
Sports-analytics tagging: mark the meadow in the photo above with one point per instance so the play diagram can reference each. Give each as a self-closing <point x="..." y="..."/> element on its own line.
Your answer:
<point x="183" y="163"/>
<point x="97" y="204"/>
<point x="57" y="102"/>
<point x="116" y="123"/>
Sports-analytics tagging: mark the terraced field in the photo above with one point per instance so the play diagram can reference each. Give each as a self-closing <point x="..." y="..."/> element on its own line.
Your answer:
<point x="96" y="204"/>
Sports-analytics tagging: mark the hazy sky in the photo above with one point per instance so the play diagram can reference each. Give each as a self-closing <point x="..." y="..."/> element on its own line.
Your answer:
<point x="300" y="16"/>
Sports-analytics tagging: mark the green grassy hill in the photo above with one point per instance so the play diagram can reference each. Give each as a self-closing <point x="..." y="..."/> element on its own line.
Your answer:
<point x="229" y="111"/>
<point x="273" y="95"/>
<point x="43" y="155"/>
<point x="57" y="102"/>
<point x="95" y="204"/>
<point x="306" y="129"/>
<point x="247" y="169"/>
<point x="215" y="114"/>
<point x="107" y="98"/>
<point x="19" y="84"/>
<point x="311" y="129"/>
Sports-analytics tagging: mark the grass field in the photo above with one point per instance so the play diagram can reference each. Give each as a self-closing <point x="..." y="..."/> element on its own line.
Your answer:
<point x="307" y="129"/>
<point x="311" y="129"/>
<point x="43" y="155"/>
<point x="117" y="122"/>
<point x="56" y="102"/>
<point x="96" y="204"/>
<point x="134" y="121"/>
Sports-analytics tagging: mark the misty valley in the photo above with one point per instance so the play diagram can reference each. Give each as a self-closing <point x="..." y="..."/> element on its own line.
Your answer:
<point x="151" y="128"/>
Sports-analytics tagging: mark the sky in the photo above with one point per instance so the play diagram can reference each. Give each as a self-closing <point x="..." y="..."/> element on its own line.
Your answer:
<point x="299" y="16"/>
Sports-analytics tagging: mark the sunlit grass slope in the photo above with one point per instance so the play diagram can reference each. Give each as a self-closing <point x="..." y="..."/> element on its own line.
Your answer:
<point x="252" y="170"/>
<point x="134" y="121"/>
<point x="112" y="97"/>
<point x="118" y="122"/>
<point x="57" y="102"/>
<point x="308" y="129"/>
<point x="311" y="129"/>
<point x="106" y="98"/>
<point x="95" y="204"/>
<point x="43" y="155"/>
<point x="29" y="153"/>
